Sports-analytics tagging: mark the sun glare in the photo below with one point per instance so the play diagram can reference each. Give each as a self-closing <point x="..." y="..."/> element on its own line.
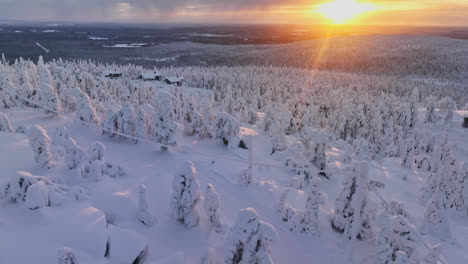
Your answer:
<point x="342" y="11"/>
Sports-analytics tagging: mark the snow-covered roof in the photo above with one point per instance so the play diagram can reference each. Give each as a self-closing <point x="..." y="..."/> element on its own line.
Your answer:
<point x="108" y="72"/>
<point x="150" y="75"/>
<point x="174" y="79"/>
<point x="463" y="113"/>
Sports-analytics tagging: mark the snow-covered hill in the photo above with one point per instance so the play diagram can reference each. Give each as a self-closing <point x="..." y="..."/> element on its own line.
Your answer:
<point x="100" y="170"/>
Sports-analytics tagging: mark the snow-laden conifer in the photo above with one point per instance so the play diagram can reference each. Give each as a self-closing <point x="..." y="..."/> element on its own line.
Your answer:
<point x="40" y="143"/>
<point x="250" y="239"/>
<point x="143" y="213"/>
<point x="5" y="124"/>
<point x="186" y="195"/>
<point x="212" y="206"/>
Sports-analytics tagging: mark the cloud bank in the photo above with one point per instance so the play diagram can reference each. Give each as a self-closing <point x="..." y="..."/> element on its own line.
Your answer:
<point x="222" y="11"/>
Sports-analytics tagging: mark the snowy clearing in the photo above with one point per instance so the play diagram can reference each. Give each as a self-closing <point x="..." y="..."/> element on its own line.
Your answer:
<point x="132" y="45"/>
<point x="97" y="38"/>
<point x="42" y="47"/>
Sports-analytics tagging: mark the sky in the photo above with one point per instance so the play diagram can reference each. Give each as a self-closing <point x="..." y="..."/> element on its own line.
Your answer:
<point x="383" y="12"/>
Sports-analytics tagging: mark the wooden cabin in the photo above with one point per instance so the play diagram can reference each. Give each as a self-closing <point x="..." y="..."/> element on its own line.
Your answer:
<point x="112" y="74"/>
<point x="150" y="76"/>
<point x="174" y="80"/>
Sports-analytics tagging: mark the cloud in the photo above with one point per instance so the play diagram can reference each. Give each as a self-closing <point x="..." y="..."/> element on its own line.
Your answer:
<point x="206" y="10"/>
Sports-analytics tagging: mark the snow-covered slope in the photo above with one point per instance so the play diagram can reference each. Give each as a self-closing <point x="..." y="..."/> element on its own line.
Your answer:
<point x="74" y="189"/>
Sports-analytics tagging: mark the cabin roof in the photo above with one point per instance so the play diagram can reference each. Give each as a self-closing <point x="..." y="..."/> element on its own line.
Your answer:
<point x="174" y="79"/>
<point x="108" y="72"/>
<point x="150" y="75"/>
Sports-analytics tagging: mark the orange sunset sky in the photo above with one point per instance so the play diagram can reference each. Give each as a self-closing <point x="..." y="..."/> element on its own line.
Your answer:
<point x="378" y="12"/>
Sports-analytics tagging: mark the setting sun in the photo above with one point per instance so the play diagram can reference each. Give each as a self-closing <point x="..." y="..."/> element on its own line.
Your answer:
<point x="341" y="11"/>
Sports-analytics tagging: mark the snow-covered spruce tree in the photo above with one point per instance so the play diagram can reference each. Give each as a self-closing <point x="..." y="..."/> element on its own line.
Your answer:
<point x="269" y="120"/>
<point x="194" y="124"/>
<point x="250" y="239"/>
<point x="278" y="139"/>
<point x="164" y="125"/>
<point x="225" y="129"/>
<point x="431" y="116"/>
<point x="206" y="110"/>
<point x="443" y="175"/>
<point x="7" y="90"/>
<point x="308" y="221"/>
<point x="449" y="105"/>
<point x="384" y="248"/>
<point x="192" y="119"/>
<point x="84" y="109"/>
<point x="212" y="205"/>
<point x="142" y="123"/>
<point x="284" y="210"/>
<point x="435" y="217"/>
<point x="186" y="195"/>
<point x="413" y="106"/>
<point x="73" y="153"/>
<point x="5" y="124"/>
<point x="143" y="213"/>
<point x="252" y="116"/>
<point x="66" y="256"/>
<point x="40" y="143"/>
<point x="354" y="211"/>
<point x="126" y="120"/>
<point x="109" y="124"/>
<point x="34" y="191"/>
<point x="404" y="238"/>
<point x="49" y="98"/>
<point x="245" y="177"/>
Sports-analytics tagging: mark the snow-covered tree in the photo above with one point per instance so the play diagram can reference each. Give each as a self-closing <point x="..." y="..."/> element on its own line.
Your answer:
<point x="126" y="120"/>
<point x="143" y="122"/>
<point x="186" y="195"/>
<point x="384" y="247"/>
<point x="225" y="129"/>
<point x="34" y="191"/>
<point x="143" y="213"/>
<point x="278" y="139"/>
<point x="40" y="143"/>
<point x="308" y="221"/>
<point x="431" y="116"/>
<point x="49" y="99"/>
<point x="66" y="256"/>
<point x="73" y="153"/>
<point x="212" y="205"/>
<point x="164" y="125"/>
<point x="435" y="217"/>
<point x="404" y="238"/>
<point x="354" y="211"/>
<point x="250" y="240"/>
<point x="449" y="105"/>
<point x="245" y="177"/>
<point x="5" y="124"/>
<point x="84" y="108"/>
<point x="269" y="120"/>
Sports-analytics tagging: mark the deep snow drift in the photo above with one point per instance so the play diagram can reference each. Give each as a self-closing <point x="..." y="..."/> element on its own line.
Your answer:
<point x="127" y="171"/>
